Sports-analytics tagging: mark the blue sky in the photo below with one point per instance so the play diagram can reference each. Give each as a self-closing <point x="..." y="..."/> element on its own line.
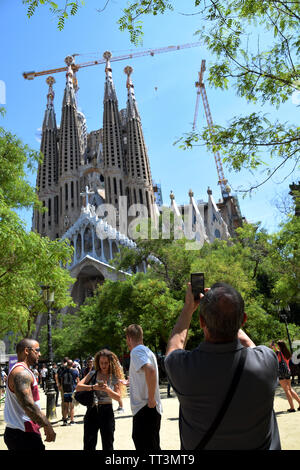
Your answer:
<point x="164" y="88"/>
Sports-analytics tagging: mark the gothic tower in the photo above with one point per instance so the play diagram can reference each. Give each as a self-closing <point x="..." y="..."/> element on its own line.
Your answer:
<point x="110" y="162"/>
<point x="70" y="155"/>
<point x="112" y="141"/>
<point x="47" y="177"/>
<point x="139" y="188"/>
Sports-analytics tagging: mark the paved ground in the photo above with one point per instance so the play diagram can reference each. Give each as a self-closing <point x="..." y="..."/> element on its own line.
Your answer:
<point x="71" y="437"/>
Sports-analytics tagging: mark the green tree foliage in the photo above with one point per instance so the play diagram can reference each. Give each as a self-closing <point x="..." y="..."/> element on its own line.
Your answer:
<point x="287" y="259"/>
<point x="27" y="260"/>
<point x="155" y="299"/>
<point x="61" y="10"/>
<point x="102" y="319"/>
<point x="17" y="160"/>
<point x="255" y="48"/>
<point x="254" y="45"/>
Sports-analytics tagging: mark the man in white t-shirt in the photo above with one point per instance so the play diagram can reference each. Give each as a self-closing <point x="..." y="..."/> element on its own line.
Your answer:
<point x="144" y="392"/>
<point x="44" y="373"/>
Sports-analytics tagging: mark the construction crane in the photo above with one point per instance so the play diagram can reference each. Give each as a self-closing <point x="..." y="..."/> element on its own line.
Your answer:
<point x="76" y="67"/>
<point x="225" y="189"/>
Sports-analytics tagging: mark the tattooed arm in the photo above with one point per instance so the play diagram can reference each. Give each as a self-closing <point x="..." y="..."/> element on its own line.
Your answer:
<point x="22" y="387"/>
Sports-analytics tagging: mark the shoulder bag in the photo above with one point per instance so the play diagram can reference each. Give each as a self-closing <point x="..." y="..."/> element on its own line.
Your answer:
<point x="236" y="378"/>
<point x="86" y="397"/>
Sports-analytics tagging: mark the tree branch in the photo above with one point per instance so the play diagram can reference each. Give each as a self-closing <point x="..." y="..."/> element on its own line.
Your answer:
<point x="267" y="179"/>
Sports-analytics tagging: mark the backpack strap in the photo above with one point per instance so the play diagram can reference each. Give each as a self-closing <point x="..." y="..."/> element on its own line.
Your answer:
<point x="226" y="403"/>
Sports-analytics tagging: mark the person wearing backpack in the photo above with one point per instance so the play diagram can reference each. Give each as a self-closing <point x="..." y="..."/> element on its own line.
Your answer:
<point x="68" y="381"/>
<point x="283" y="355"/>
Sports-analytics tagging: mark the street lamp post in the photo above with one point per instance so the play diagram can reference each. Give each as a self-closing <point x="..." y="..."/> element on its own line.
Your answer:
<point x="284" y="318"/>
<point x="48" y="296"/>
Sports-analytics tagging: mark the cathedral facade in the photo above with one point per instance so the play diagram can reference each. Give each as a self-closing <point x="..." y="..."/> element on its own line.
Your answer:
<point x="89" y="183"/>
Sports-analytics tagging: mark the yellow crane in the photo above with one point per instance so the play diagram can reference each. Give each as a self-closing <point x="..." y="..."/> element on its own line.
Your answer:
<point x="225" y="189"/>
<point x="76" y="67"/>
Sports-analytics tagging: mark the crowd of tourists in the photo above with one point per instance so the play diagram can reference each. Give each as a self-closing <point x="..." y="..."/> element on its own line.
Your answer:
<point x="225" y="386"/>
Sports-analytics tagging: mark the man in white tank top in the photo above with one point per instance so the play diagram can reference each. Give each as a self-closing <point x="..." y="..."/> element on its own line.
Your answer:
<point x="22" y="412"/>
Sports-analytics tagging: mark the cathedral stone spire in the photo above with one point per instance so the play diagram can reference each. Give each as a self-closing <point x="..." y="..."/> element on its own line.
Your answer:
<point x="112" y="140"/>
<point x="69" y="154"/>
<point x="47" y="176"/>
<point x="132" y="110"/>
<point x="109" y="90"/>
<point x="138" y="169"/>
<point x="69" y="129"/>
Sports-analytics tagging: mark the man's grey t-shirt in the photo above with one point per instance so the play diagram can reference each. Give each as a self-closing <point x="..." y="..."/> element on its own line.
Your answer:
<point x="201" y="379"/>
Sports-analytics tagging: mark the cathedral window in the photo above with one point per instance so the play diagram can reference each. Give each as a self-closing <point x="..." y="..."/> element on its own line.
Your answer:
<point x="60" y="200"/>
<point x="141" y="197"/>
<point x="88" y="246"/>
<point x="56" y="210"/>
<point x="66" y="191"/>
<point x="109" y="189"/>
<point x="148" y="202"/>
<point x="128" y="197"/>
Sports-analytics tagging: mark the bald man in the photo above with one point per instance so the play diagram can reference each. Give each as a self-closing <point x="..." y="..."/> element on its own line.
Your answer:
<point x="22" y="412"/>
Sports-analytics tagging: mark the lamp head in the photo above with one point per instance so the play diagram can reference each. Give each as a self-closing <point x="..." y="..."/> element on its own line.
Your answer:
<point x="48" y="294"/>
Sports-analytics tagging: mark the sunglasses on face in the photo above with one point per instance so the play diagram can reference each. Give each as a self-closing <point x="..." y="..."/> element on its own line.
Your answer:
<point x="35" y="349"/>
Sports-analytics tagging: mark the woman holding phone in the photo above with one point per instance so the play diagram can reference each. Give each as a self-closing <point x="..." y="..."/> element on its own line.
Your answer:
<point x="105" y="385"/>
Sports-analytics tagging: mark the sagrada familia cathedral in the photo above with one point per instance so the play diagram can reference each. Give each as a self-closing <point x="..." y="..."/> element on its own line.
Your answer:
<point x="84" y="176"/>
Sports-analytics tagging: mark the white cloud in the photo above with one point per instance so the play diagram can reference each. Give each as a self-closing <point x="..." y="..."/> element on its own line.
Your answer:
<point x="2" y="92"/>
<point x="38" y="135"/>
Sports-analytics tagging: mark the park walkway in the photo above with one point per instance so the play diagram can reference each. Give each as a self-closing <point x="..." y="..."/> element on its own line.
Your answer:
<point x="71" y="437"/>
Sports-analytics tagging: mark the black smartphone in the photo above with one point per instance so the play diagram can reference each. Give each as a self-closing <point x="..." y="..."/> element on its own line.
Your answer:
<point x="197" y="282"/>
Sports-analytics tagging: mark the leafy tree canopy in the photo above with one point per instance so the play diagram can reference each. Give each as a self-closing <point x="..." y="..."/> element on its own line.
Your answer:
<point x="254" y="46"/>
<point x="254" y="262"/>
<point x="27" y="260"/>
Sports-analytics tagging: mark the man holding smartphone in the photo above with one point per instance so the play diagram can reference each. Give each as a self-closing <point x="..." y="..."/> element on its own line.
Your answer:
<point x="144" y="392"/>
<point x="202" y="377"/>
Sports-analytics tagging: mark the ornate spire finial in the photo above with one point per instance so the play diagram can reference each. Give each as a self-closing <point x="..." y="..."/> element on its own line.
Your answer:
<point x="228" y="189"/>
<point x="109" y="93"/>
<point x="128" y="70"/>
<point x="107" y="56"/>
<point x="131" y="103"/>
<point x="69" y="60"/>
<point x="50" y="81"/>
